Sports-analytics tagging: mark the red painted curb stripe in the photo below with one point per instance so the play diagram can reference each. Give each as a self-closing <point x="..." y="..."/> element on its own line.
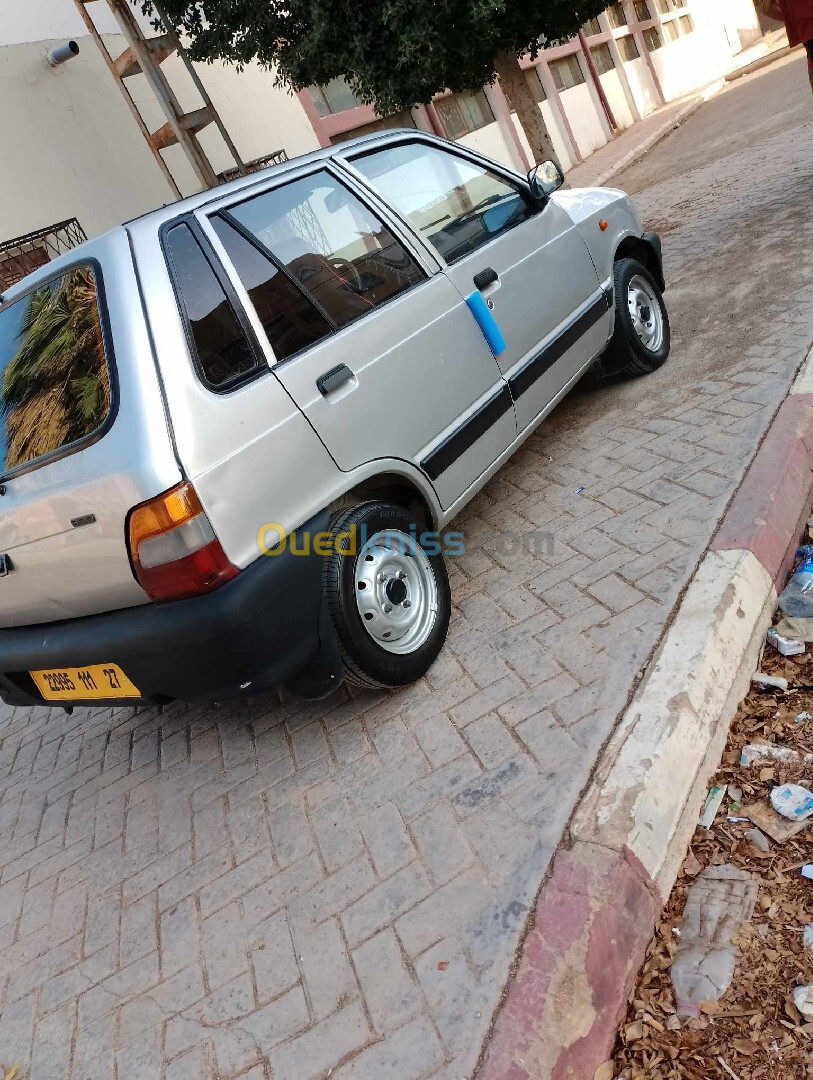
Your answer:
<point x="768" y="513"/>
<point x="594" y="921"/>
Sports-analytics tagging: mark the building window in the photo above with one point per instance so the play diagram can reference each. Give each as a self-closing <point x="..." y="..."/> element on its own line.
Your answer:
<point x="671" y="31"/>
<point x="334" y="97"/>
<point x="602" y="58"/>
<point x="628" y="48"/>
<point x="642" y="10"/>
<point x="617" y="15"/>
<point x="652" y="38"/>
<point x="535" y="85"/>
<point x="664" y="6"/>
<point x="566" y="72"/>
<point x="686" y="24"/>
<point x="384" y="123"/>
<point x="462" y="113"/>
<point x="591" y="27"/>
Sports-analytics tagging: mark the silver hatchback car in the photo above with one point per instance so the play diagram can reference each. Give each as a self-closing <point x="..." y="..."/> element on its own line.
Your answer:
<point x="234" y="430"/>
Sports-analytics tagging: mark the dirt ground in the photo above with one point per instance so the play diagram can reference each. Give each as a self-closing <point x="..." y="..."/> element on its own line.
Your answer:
<point x="755" y="1031"/>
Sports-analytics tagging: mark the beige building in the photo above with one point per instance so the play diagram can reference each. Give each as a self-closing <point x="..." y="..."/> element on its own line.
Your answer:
<point x="73" y="154"/>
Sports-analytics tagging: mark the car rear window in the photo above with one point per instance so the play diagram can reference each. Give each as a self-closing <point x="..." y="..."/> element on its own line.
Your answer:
<point x="54" y="380"/>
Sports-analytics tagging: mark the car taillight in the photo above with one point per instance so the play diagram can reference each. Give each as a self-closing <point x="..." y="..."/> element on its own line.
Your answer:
<point x="174" y="549"/>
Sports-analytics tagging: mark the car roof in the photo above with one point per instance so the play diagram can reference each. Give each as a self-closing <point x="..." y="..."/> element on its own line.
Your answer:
<point x="153" y="219"/>
<point x="193" y="202"/>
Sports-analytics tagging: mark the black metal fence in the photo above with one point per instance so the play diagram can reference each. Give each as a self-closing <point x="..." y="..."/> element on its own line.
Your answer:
<point x="23" y="254"/>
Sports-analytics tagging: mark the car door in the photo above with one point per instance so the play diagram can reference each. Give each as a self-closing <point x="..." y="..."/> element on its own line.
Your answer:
<point x="372" y="342"/>
<point x="529" y="262"/>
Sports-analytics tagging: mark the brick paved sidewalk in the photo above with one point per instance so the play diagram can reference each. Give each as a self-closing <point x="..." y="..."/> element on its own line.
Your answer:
<point x="290" y="891"/>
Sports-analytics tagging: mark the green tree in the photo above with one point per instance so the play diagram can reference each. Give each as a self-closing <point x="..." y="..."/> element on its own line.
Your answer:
<point x="55" y="387"/>
<point x="395" y="53"/>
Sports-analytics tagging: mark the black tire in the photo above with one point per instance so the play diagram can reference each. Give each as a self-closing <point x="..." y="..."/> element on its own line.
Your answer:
<point x="626" y="353"/>
<point x="366" y="662"/>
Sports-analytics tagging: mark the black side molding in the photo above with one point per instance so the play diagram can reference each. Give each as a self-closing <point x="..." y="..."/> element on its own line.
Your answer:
<point x="536" y="367"/>
<point x="456" y="444"/>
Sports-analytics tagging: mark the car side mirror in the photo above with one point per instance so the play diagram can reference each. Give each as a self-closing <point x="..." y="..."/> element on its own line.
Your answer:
<point x="544" y="179"/>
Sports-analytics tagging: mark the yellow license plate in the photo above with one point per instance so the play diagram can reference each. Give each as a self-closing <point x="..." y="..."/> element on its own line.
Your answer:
<point x="93" y="683"/>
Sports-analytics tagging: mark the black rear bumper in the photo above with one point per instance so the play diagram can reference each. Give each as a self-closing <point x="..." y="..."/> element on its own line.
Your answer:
<point x="257" y="631"/>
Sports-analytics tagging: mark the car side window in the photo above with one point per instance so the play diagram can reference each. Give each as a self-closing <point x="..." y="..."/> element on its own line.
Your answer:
<point x="456" y="204"/>
<point x="223" y="353"/>
<point x="291" y="321"/>
<point x="333" y="246"/>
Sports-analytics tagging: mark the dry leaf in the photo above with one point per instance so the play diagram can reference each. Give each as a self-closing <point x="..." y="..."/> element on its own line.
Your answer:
<point x="442" y="965"/>
<point x="745" y="1046"/>
<point x="605" y="1071"/>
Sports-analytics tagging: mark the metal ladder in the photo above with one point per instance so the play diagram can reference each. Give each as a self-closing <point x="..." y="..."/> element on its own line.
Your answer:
<point x="144" y="56"/>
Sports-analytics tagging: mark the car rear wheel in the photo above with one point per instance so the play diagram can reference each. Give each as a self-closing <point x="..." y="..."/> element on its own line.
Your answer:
<point x="387" y="593"/>
<point x="642" y="337"/>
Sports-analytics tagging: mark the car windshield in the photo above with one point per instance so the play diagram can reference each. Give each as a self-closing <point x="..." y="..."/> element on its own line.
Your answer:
<point x="54" y="384"/>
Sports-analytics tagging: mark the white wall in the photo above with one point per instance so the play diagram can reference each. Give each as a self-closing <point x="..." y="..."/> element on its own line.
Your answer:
<point x="611" y="85"/>
<point x="71" y="147"/>
<point x="642" y="86"/>
<point x="584" y="121"/>
<point x="489" y="140"/>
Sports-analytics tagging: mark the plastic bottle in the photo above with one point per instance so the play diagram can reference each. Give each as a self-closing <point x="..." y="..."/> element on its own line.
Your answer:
<point x="797" y="598"/>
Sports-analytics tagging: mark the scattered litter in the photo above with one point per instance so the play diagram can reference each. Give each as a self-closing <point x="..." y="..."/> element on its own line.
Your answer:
<point x="727" y="1068"/>
<point x="759" y="753"/>
<point x="12" y="1073"/>
<point x="798" y="629"/>
<point x="758" y="839"/>
<point x="797" y="596"/>
<point x="735" y="820"/>
<point x="803" y="1000"/>
<point x="807" y="937"/>
<point x="719" y="902"/>
<point x="785" y="645"/>
<point x="807" y="871"/>
<point x="713" y="804"/>
<point x="735" y="794"/>
<point x="578" y="491"/>
<point x="792" y="801"/>
<point x="803" y="717"/>
<point x="773" y="824"/>
<point x="761" y="679"/>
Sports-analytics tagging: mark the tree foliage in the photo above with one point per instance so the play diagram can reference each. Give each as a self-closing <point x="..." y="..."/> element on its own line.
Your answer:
<point x="395" y="53"/>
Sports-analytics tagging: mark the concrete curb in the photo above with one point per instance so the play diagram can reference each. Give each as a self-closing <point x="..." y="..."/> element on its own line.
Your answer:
<point x="595" y="915"/>
<point x="761" y="62"/>
<point x="657" y="136"/>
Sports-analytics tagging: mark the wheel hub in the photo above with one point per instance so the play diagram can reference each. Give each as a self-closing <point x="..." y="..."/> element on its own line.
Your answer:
<point x="396" y="591"/>
<point x="645" y="313"/>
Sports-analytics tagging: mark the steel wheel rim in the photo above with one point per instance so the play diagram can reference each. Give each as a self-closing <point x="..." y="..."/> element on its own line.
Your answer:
<point x="396" y="591"/>
<point x="645" y="312"/>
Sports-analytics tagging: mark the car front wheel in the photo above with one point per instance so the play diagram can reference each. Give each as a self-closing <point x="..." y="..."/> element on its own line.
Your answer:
<point x="642" y="337"/>
<point x="388" y="594"/>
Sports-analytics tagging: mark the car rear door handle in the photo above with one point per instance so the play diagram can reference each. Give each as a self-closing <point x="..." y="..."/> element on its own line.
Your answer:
<point x="485" y="278"/>
<point x="333" y="379"/>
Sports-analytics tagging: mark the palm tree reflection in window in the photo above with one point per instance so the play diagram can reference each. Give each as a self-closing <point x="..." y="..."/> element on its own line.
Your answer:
<point x="56" y="387"/>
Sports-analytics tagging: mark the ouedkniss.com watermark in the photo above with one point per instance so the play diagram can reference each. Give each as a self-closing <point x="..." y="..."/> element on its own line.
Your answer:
<point x="272" y="539"/>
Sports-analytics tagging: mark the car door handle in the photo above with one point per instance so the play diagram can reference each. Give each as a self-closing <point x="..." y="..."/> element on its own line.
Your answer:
<point x="485" y="278"/>
<point x="333" y="379"/>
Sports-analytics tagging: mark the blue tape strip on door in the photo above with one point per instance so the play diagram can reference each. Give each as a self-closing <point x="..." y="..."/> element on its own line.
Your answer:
<point x="486" y="322"/>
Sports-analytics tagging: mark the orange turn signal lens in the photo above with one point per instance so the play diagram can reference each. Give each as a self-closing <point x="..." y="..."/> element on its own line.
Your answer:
<point x="175" y="507"/>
